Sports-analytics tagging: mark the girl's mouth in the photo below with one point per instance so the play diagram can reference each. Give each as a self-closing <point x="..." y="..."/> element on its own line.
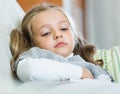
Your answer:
<point x="60" y="44"/>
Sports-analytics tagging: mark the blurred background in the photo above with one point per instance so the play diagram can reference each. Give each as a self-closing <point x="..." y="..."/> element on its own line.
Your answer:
<point x="98" y="20"/>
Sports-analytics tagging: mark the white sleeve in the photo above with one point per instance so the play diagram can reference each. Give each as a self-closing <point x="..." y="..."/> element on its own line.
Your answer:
<point x="46" y="69"/>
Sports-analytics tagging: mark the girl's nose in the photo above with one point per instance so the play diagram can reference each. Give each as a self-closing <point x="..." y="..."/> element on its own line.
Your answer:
<point x="57" y="35"/>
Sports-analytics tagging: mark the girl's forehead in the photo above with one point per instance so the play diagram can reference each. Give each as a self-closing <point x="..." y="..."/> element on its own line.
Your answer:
<point x="50" y="15"/>
<point x="52" y="12"/>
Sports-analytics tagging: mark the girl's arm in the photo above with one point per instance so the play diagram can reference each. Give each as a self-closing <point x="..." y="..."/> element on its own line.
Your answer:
<point x="45" y="69"/>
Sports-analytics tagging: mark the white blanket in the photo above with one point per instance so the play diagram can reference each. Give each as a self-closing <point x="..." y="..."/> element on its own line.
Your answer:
<point x="73" y="87"/>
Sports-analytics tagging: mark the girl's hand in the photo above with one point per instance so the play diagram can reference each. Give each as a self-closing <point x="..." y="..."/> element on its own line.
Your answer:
<point x="87" y="74"/>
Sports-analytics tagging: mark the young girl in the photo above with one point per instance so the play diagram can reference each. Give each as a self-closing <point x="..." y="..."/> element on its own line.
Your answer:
<point x="49" y="48"/>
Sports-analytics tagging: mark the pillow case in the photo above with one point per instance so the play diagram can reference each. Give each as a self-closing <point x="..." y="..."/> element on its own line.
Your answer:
<point x="10" y="17"/>
<point x="111" y="59"/>
<point x="10" y="14"/>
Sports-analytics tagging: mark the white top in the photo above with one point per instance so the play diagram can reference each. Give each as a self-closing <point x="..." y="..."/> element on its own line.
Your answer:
<point x="45" y="69"/>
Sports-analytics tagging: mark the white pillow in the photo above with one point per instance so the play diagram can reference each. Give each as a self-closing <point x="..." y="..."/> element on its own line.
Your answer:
<point x="10" y="14"/>
<point x="10" y="17"/>
<point x="6" y="80"/>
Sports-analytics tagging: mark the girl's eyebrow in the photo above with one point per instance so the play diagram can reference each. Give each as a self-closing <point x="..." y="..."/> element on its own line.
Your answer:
<point x="63" y="21"/>
<point x="44" y="25"/>
<point x="48" y="25"/>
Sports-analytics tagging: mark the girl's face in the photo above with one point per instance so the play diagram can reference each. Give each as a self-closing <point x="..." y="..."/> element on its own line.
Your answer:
<point x="51" y="31"/>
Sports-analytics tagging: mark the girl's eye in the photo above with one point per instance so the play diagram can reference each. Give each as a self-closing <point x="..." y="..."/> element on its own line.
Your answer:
<point x="46" y="34"/>
<point x="64" y="29"/>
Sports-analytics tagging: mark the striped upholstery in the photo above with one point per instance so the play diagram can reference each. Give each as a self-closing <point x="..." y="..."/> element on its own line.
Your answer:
<point x="111" y="59"/>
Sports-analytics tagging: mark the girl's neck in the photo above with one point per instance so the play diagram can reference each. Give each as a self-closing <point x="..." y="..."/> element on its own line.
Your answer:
<point x="70" y="55"/>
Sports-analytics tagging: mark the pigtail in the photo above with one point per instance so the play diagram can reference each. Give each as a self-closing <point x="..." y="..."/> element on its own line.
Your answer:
<point x="18" y="44"/>
<point x="85" y="50"/>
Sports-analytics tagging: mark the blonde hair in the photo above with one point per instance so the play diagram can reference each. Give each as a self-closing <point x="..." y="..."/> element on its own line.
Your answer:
<point x="22" y="40"/>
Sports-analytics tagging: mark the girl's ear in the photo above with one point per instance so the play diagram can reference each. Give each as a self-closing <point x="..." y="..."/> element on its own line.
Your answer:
<point x="32" y="42"/>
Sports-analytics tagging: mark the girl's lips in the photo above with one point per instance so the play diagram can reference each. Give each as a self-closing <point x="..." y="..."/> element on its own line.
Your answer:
<point x="60" y="44"/>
